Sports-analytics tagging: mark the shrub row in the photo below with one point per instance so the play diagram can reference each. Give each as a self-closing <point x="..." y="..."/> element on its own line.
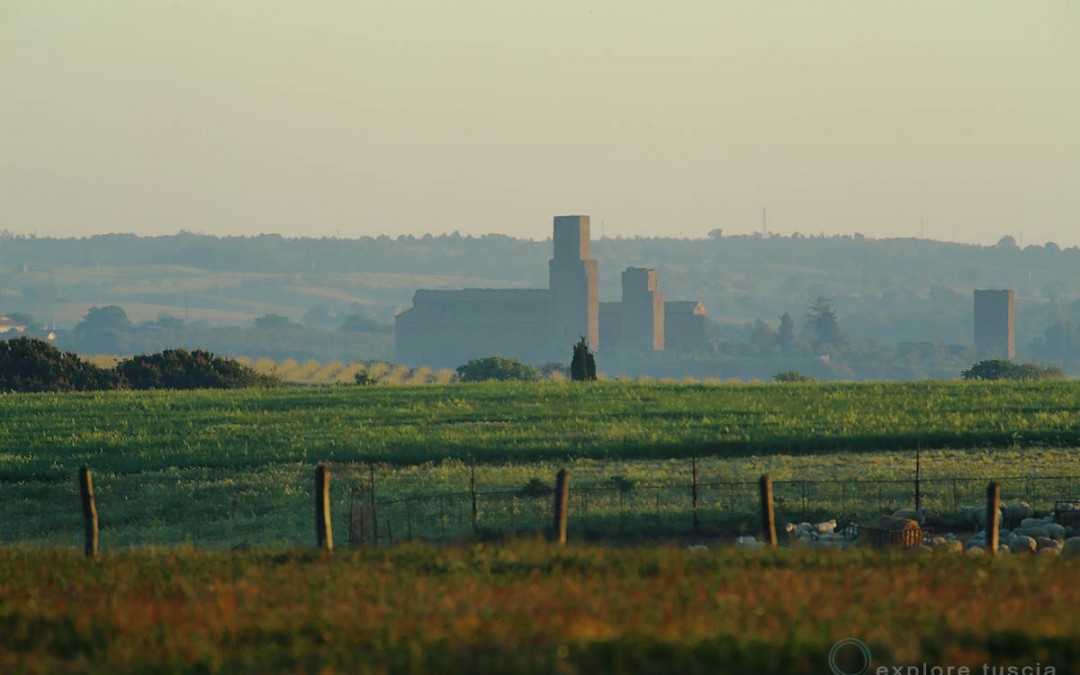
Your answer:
<point x="31" y="365"/>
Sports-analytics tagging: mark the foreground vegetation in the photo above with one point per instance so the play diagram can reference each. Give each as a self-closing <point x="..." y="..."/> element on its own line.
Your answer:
<point x="529" y="608"/>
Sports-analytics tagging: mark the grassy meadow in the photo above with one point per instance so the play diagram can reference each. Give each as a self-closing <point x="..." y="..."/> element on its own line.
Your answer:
<point x="181" y="477"/>
<point x="48" y="436"/>
<point x="219" y="468"/>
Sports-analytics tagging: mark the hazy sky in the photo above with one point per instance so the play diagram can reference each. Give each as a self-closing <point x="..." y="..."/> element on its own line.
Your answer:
<point x="362" y="117"/>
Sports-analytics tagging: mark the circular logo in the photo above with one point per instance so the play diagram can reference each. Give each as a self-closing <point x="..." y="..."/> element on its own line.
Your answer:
<point x="843" y="660"/>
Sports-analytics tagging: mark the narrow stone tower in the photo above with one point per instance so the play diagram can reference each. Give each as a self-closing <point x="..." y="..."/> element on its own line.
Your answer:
<point x="575" y="300"/>
<point x="995" y="324"/>
<point x="642" y="309"/>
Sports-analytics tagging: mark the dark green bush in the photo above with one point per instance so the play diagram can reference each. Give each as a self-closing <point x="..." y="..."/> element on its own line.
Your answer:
<point x="792" y="376"/>
<point x="27" y="365"/>
<point x="497" y="368"/>
<point x="999" y="369"/>
<point x="181" y="369"/>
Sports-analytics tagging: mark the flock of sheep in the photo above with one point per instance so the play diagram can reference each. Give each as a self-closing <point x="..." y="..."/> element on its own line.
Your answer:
<point x="1020" y="531"/>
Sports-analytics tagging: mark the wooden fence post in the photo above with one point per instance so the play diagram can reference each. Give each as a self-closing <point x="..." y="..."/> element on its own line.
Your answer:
<point x="768" y="518"/>
<point x="695" y="492"/>
<point x="918" y="476"/>
<point x="993" y="517"/>
<point x="352" y="516"/>
<point x="374" y="514"/>
<point x="322" y="508"/>
<point x="562" y="494"/>
<point x="89" y="508"/>
<point x="472" y="489"/>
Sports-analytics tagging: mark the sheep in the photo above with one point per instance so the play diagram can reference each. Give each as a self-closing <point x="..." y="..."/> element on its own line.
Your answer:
<point x="1033" y="531"/>
<point x="1046" y="542"/>
<point x="802" y="531"/>
<point x="1054" y="531"/>
<point x="978" y="539"/>
<point x="1022" y="544"/>
<point x="918" y="515"/>
<point x="748" y="542"/>
<point x="1036" y="522"/>
<point x="945" y="544"/>
<point x="974" y="515"/>
<point x="1071" y="547"/>
<point x="1015" y="513"/>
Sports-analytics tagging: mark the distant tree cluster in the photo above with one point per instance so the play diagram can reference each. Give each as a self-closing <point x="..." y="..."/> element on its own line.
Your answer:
<point x="181" y="369"/>
<point x="792" y="376"/>
<point x="497" y="368"/>
<point x="31" y="365"/>
<point x="997" y="369"/>
<point x="275" y="322"/>
<point x="103" y="330"/>
<point x="821" y="318"/>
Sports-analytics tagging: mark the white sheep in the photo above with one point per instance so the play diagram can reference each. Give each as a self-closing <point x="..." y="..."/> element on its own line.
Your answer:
<point x="826" y="527"/>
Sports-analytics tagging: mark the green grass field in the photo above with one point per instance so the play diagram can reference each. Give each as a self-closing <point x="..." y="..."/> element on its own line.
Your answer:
<point x="48" y="436"/>
<point x="180" y="475"/>
<point x="215" y="469"/>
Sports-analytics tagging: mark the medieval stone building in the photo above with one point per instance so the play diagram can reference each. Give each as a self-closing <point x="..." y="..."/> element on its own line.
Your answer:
<point x="444" y="329"/>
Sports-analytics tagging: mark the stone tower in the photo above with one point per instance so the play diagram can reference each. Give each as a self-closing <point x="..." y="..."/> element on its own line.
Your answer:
<point x="575" y="300"/>
<point x="995" y="322"/>
<point x="642" y="309"/>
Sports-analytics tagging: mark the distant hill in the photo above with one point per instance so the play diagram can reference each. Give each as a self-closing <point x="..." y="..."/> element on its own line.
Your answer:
<point x="891" y="290"/>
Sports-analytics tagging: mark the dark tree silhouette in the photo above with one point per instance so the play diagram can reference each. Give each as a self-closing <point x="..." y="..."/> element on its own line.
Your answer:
<point x="997" y="369"/>
<point x="181" y="369"/>
<point x="103" y="330"/>
<point x="583" y="365"/>
<point x="821" y="318"/>
<point x="785" y="334"/>
<point x="27" y="364"/>
<point x="275" y="322"/>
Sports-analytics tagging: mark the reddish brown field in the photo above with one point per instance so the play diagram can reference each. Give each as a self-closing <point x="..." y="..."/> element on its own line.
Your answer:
<point x="530" y="608"/>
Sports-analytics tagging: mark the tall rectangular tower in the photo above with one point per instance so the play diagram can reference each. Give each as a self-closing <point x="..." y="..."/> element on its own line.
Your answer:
<point x="575" y="299"/>
<point x="995" y="323"/>
<point x="642" y="309"/>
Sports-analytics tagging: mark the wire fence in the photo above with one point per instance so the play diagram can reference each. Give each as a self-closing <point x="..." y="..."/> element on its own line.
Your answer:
<point x="453" y="501"/>
<point x="621" y="508"/>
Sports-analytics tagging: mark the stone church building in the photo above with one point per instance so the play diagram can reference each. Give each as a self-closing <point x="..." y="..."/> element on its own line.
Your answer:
<point x="444" y="329"/>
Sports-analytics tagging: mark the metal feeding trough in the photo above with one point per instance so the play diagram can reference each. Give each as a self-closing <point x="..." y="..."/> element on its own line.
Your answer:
<point x="1067" y="513"/>
<point x="888" y="532"/>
